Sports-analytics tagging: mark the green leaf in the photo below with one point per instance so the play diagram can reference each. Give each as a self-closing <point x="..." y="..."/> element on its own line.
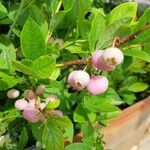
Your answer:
<point x="77" y="146"/>
<point x="24" y="69"/>
<point x="125" y="10"/>
<point x="7" y="81"/>
<point x="7" y="54"/>
<point x="61" y="122"/>
<point x="58" y="17"/>
<point x="44" y="66"/>
<point x="69" y="131"/>
<point x="37" y="15"/>
<point x="27" y="62"/>
<point x="23" y="139"/>
<point x="65" y="124"/>
<point x="3" y="10"/>
<point x="138" y="87"/>
<point x="133" y="52"/>
<point x="113" y="97"/>
<point x="88" y="134"/>
<point x="80" y="114"/>
<point x="108" y="35"/>
<point x="52" y="104"/>
<point x="129" y="98"/>
<point x="55" y="74"/>
<point x="144" y="19"/>
<point x="37" y="130"/>
<point x="101" y="105"/>
<point x="98" y="26"/>
<point x="75" y="49"/>
<point x="124" y="31"/>
<point x="83" y="25"/>
<point x="32" y="40"/>
<point x="53" y="138"/>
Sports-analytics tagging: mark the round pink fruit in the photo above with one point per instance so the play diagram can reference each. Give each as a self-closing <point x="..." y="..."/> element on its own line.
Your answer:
<point x="29" y="94"/>
<point x="97" y="85"/>
<point x="40" y="89"/>
<point x="78" y="79"/>
<point x="31" y="114"/>
<point x="13" y="93"/>
<point x="21" y="104"/>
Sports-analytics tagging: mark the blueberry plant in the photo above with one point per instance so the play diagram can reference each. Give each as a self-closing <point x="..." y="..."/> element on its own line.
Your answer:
<point x="66" y="68"/>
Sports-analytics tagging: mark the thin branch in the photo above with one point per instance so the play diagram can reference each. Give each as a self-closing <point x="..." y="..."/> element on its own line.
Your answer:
<point x="131" y="37"/>
<point x="74" y="62"/>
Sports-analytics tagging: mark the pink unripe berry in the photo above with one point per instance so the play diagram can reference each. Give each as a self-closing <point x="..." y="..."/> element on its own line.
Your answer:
<point x="98" y="62"/>
<point x="29" y="94"/>
<point x="78" y="79"/>
<point x="13" y="93"/>
<point x="113" y="56"/>
<point x="97" y="85"/>
<point x="21" y="104"/>
<point x="31" y="114"/>
<point x="40" y="89"/>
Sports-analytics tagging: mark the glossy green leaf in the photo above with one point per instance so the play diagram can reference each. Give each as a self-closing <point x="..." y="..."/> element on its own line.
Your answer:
<point x="3" y="10"/>
<point x="133" y="52"/>
<point x="24" y="69"/>
<point x="80" y="114"/>
<point x="37" y="15"/>
<point x="53" y="138"/>
<point x="125" y="10"/>
<point x="138" y="87"/>
<point x="83" y="25"/>
<point x="44" y="66"/>
<point x="144" y="19"/>
<point x="57" y="18"/>
<point x="7" y="81"/>
<point x="7" y="54"/>
<point x="32" y="40"/>
<point x="108" y="35"/>
<point x="97" y="27"/>
<point x="37" y="130"/>
<point x="96" y="104"/>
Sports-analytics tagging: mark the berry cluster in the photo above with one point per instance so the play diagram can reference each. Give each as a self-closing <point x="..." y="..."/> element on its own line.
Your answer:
<point x="36" y="109"/>
<point x="102" y="60"/>
<point x="33" y="107"/>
